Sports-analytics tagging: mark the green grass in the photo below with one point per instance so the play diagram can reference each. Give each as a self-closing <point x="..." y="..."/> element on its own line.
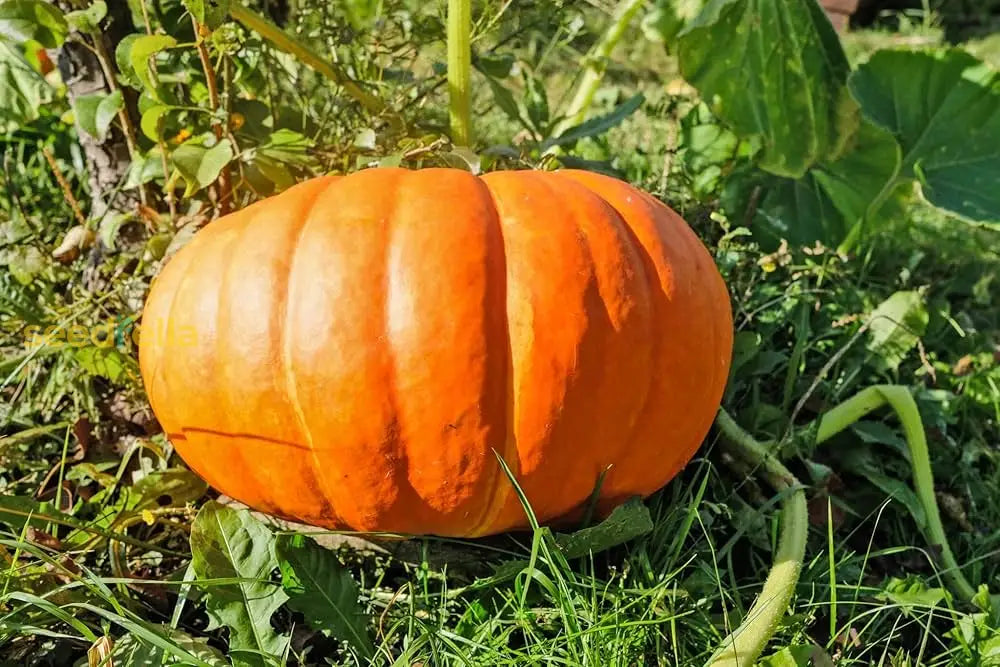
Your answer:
<point x="96" y="511"/>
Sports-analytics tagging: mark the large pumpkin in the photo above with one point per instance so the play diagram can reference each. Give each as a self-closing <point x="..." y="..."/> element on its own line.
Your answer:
<point x="357" y="351"/>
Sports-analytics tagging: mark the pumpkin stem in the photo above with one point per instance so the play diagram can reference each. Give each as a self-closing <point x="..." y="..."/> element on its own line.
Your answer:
<point x="902" y="403"/>
<point x="744" y="644"/>
<point x="460" y="70"/>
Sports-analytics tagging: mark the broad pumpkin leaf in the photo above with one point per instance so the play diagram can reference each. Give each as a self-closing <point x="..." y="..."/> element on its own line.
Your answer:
<point x="668" y="17"/>
<point x="832" y="197"/>
<point x="22" y="90"/>
<point x="943" y="107"/>
<point x="24" y="20"/>
<point x="775" y="70"/>
<point x="322" y="591"/>
<point x="231" y="544"/>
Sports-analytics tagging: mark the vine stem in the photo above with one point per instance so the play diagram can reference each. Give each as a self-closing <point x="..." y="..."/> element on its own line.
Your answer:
<point x="306" y="55"/>
<point x="596" y="64"/>
<point x="744" y="644"/>
<point x="225" y="198"/>
<point x="901" y="401"/>
<point x="460" y="70"/>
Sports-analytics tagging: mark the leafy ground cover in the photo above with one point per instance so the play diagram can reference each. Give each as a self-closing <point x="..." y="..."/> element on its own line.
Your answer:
<point x="846" y="185"/>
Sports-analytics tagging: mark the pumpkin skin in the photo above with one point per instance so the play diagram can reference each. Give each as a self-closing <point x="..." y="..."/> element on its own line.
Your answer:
<point x="355" y="352"/>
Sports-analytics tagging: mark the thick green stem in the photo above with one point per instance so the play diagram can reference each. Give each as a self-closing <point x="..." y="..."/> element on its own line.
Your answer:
<point x="901" y="401"/>
<point x="306" y="55"/>
<point x="460" y="70"/>
<point x="596" y="63"/>
<point x="745" y="644"/>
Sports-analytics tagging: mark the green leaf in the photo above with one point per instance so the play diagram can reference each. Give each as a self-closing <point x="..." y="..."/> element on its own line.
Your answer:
<point x="944" y="109"/>
<point x="88" y="20"/>
<point x="15" y="511"/>
<point x="24" y="263"/>
<point x="322" y="591"/>
<point x="140" y="52"/>
<point x="626" y="522"/>
<point x="132" y="651"/>
<point x="833" y="197"/>
<point x="108" y="228"/>
<point x="598" y="125"/>
<point x="912" y="593"/>
<point x="536" y="102"/>
<point x="505" y="100"/>
<point x="22" y="91"/>
<point x="865" y="463"/>
<point x="145" y="168"/>
<point x="173" y="487"/>
<point x="106" y="112"/>
<point x="800" y="655"/>
<point x="773" y="69"/>
<point x="95" y="112"/>
<point x="123" y="60"/>
<point x="667" y="17"/>
<point x="85" y="112"/>
<point x="211" y="13"/>
<point x="496" y="65"/>
<point x="24" y="20"/>
<point x="232" y="544"/>
<point x="706" y="150"/>
<point x="105" y="362"/>
<point x="896" y="325"/>
<point x="201" y="166"/>
<point x="150" y="120"/>
<point x="288" y="147"/>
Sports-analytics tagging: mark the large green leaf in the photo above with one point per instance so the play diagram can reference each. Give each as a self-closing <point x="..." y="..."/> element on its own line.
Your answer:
<point x="232" y="545"/>
<point x="944" y="109"/>
<point x="323" y="591"/>
<point x="23" y="20"/>
<point x="22" y="90"/>
<point x="833" y="197"/>
<point x="773" y="69"/>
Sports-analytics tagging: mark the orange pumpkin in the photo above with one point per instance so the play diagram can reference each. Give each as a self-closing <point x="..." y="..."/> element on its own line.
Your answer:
<point x="356" y="351"/>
